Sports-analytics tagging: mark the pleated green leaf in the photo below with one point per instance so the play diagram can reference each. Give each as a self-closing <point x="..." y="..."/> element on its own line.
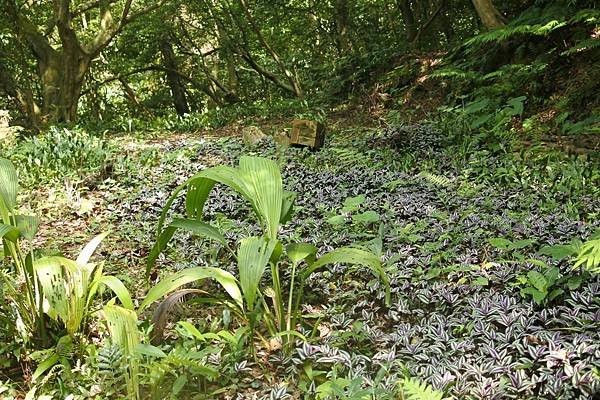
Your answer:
<point x="301" y="251"/>
<point x="198" y="191"/>
<point x="9" y="232"/>
<point x="158" y="247"/>
<point x="122" y="325"/>
<point x="253" y="256"/>
<point x="86" y="253"/>
<point x="353" y="256"/>
<point x="65" y="287"/>
<point x="196" y="227"/>
<point x="28" y="225"/>
<point x="200" y="229"/>
<point x="175" y="281"/>
<point x="9" y="185"/>
<point x="287" y="206"/>
<point x="117" y="287"/>
<point x="266" y="190"/>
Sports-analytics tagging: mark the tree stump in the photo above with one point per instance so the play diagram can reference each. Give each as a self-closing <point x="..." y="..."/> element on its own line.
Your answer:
<point x="307" y="133"/>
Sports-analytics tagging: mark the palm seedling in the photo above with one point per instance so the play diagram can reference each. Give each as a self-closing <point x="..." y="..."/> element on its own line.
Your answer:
<point x="258" y="181"/>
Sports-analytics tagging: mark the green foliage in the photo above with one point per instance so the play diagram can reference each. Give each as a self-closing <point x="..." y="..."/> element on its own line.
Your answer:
<point x="413" y="389"/>
<point x="63" y="153"/>
<point x="589" y="254"/>
<point x="258" y="181"/>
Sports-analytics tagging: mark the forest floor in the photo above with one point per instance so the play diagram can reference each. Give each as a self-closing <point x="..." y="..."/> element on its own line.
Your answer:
<point x="458" y="226"/>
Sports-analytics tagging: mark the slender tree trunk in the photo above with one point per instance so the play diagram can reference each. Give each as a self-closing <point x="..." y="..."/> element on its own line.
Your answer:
<point x="177" y="89"/>
<point x="293" y="82"/>
<point x="228" y="56"/>
<point x="489" y="15"/>
<point x="21" y="96"/>
<point x="342" y="25"/>
<point x="408" y="18"/>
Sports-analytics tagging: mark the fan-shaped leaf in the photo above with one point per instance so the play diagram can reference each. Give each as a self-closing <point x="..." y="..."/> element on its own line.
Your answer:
<point x="9" y="185"/>
<point x="253" y="256"/>
<point x="354" y="256"/>
<point x="175" y="281"/>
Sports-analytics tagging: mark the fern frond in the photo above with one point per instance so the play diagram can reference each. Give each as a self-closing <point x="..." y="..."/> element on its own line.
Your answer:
<point x="581" y="46"/>
<point x="437" y="180"/>
<point x="589" y="256"/>
<point x="413" y="389"/>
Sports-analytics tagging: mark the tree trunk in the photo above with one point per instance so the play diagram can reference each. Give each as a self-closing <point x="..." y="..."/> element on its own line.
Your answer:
<point x="489" y="15"/>
<point x="408" y="18"/>
<point x="177" y="89"/>
<point x="62" y="68"/>
<point x="62" y="76"/>
<point x="293" y="81"/>
<point x="342" y="25"/>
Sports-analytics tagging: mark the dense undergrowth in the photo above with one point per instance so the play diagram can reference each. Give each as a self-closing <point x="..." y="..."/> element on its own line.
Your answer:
<point x="475" y="233"/>
<point x="444" y="243"/>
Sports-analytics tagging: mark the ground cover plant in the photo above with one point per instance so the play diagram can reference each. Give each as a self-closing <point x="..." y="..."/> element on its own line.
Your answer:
<point x="162" y="237"/>
<point x="483" y="272"/>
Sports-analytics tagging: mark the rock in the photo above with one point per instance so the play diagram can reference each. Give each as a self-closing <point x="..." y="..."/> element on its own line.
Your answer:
<point x="307" y="133"/>
<point x="253" y="135"/>
<point x="5" y="130"/>
<point x="282" y="139"/>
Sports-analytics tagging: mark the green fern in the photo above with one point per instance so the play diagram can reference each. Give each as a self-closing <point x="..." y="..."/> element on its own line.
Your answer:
<point x="589" y="256"/>
<point x="437" y="180"/>
<point x="413" y="389"/>
<point x="350" y="156"/>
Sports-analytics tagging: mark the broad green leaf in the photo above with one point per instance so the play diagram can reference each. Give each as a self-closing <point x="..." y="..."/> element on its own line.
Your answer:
<point x="253" y="257"/>
<point x="88" y="250"/>
<point x="287" y="207"/>
<point x="352" y="204"/>
<point x="9" y="186"/>
<point x="479" y="121"/>
<point x="197" y="193"/>
<point x="158" y="247"/>
<point x="301" y="251"/>
<point x="500" y="243"/>
<point x="28" y="225"/>
<point x="559" y="251"/>
<point x="9" y="232"/>
<point x="122" y="326"/>
<point x="114" y="284"/>
<point x="65" y="287"/>
<point x="481" y="281"/>
<point x="520" y="244"/>
<point x="45" y="366"/>
<point x="336" y="220"/>
<point x="353" y="256"/>
<point x="196" y="227"/>
<point x="551" y="275"/>
<point x="574" y="282"/>
<point x="555" y="293"/>
<point x="537" y="280"/>
<point x="149" y="350"/>
<point x="537" y="295"/>
<point x="517" y="104"/>
<point x="191" y="330"/>
<point x="179" y="384"/>
<point x="199" y="228"/>
<point x="476" y="106"/>
<point x="263" y="180"/>
<point x="178" y="279"/>
<point x="368" y="217"/>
